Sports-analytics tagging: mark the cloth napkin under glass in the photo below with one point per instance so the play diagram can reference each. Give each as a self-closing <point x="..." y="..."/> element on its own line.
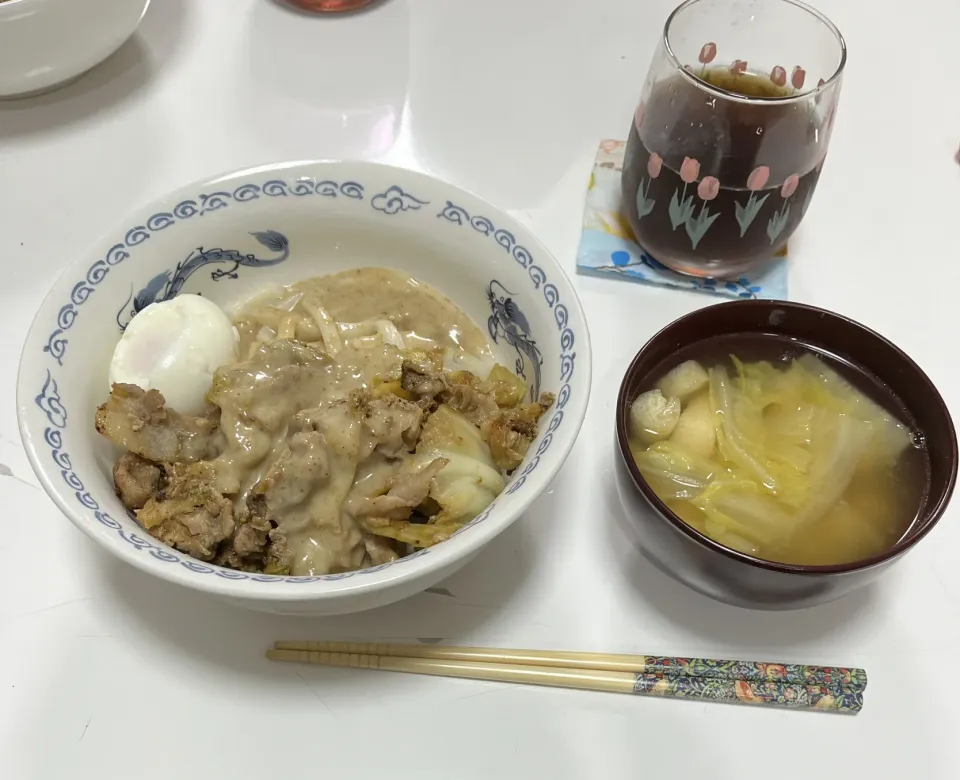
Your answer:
<point x="608" y="247"/>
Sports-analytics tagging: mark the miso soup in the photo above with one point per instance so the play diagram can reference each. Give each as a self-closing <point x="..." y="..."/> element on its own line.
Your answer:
<point x="779" y="451"/>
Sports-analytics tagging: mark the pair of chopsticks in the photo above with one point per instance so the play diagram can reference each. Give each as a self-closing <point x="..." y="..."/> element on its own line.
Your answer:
<point x="796" y="686"/>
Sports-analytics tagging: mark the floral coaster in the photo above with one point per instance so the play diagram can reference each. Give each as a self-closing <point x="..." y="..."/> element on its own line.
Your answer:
<point x="608" y="247"/>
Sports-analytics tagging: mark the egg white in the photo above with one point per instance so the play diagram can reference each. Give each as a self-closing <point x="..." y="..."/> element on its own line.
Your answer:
<point x="175" y="347"/>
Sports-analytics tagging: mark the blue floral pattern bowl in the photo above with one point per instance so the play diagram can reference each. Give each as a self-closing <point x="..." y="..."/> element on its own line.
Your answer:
<point x="236" y="235"/>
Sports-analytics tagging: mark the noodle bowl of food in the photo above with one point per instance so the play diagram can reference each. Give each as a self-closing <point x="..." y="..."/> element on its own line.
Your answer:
<point x="773" y="455"/>
<point x="309" y="388"/>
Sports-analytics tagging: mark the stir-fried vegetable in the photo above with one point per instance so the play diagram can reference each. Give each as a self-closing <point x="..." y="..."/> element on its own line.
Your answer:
<point x="469" y="482"/>
<point x="464" y="361"/>
<point x="508" y="389"/>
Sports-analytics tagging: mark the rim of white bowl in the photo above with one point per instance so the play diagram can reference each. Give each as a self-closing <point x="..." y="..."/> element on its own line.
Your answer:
<point x="7" y="8"/>
<point x="470" y="541"/>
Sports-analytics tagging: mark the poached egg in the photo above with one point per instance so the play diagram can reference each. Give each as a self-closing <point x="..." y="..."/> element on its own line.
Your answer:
<point x="175" y="347"/>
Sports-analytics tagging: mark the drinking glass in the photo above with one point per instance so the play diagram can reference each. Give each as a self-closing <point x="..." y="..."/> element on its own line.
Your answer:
<point x="330" y="6"/>
<point x="728" y="141"/>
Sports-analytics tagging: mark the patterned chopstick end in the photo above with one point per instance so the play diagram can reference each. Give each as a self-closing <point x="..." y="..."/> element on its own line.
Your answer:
<point x="768" y="693"/>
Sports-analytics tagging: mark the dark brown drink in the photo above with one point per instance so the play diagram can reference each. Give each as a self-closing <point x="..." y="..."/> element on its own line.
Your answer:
<point x="713" y="185"/>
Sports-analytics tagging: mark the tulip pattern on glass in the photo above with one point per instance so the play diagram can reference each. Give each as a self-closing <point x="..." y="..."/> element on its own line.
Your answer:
<point x="707" y="190"/>
<point x="708" y="53"/>
<point x="644" y="204"/>
<point x="747" y="212"/>
<point x="779" y="220"/>
<point x="681" y="204"/>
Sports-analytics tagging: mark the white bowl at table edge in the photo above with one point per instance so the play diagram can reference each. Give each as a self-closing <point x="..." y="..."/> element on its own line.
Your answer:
<point x="45" y="44"/>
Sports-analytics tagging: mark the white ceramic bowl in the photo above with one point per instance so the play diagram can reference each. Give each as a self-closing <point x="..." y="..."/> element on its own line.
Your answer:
<point x="308" y="219"/>
<point x="45" y="43"/>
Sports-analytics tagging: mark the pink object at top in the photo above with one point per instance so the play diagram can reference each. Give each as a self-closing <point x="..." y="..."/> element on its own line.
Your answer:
<point x="330" y="6"/>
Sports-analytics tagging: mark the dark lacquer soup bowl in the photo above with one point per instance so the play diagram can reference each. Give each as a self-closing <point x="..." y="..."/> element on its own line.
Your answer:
<point x="733" y="576"/>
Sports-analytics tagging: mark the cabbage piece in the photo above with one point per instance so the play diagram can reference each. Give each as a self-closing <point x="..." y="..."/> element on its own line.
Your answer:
<point x="838" y="445"/>
<point x="684" y="380"/>
<point x="770" y="407"/>
<point x="470" y="481"/>
<point x="889" y="437"/>
<point x="744" y="509"/>
<point x="511" y="432"/>
<point x="814" y="462"/>
<point x="697" y="518"/>
<point x="788" y="431"/>
<point x="464" y="488"/>
<point x="653" y="416"/>
<point x="683" y="459"/>
<point x="508" y="389"/>
<point x="460" y="360"/>
<point x="450" y="431"/>
<point x="734" y="444"/>
<point x="416" y="534"/>
<point x="764" y="425"/>
<point x="671" y="472"/>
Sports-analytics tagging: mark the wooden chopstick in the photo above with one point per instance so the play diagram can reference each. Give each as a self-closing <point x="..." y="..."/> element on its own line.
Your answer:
<point x="742" y="691"/>
<point x="752" y="671"/>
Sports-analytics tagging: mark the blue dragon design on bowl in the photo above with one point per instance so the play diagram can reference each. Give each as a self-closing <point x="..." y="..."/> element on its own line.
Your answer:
<point x="167" y="285"/>
<point x="507" y="322"/>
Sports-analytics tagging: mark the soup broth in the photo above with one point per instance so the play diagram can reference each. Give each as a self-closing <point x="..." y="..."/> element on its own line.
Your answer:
<point x="779" y="451"/>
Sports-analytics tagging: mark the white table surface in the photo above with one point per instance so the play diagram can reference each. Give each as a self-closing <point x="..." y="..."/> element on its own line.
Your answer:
<point x="105" y="673"/>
